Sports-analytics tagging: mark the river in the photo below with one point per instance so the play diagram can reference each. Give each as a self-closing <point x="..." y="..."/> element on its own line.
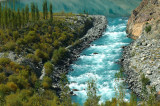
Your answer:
<point x="98" y="62"/>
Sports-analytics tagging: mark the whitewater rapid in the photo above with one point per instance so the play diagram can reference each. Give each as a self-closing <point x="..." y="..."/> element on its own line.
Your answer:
<point x="98" y="62"/>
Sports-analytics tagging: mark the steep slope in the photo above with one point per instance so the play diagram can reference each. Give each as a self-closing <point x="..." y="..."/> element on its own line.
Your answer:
<point x="141" y="59"/>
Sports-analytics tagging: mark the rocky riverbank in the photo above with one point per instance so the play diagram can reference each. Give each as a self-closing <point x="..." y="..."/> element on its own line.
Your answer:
<point x="99" y="25"/>
<point x="142" y="57"/>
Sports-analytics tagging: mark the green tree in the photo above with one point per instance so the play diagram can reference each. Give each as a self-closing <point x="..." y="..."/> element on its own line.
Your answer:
<point x="5" y="16"/>
<point x="27" y="13"/>
<point x="48" y="68"/>
<point x="23" y="17"/>
<point x="0" y="15"/>
<point x="45" y="10"/>
<point x="65" y="95"/>
<point x="92" y="99"/>
<point x="19" y="18"/>
<point x="9" y="16"/>
<point x="133" y="99"/>
<point x="33" y="11"/>
<point x="37" y="13"/>
<point x="51" y="13"/>
<point x="152" y="96"/>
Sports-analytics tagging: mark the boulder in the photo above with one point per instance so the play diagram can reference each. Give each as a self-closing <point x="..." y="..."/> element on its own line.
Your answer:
<point x="75" y="90"/>
<point x="95" y="53"/>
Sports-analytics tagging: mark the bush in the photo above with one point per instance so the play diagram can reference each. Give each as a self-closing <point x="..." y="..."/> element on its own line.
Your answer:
<point x="148" y="28"/>
<point x="20" y="42"/>
<point x="56" y="44"/>
<point x="31" y="37"/>
<point x="33" y="58"/>
<point x="12" y="86"/>
<point x="48" y="68"/>
<point x="2" y="78"/>
<point x="59" y="55"/>
<point x="15" y="35"/>
<point x="4" y="61"/>
<point x="13" y="100"/>
<point x="144" y="80"/>
<point x="47" y="82"/>
<point x="10" y="46"/>
<point x="5" y="89"/>
<point x="41" y="54"/>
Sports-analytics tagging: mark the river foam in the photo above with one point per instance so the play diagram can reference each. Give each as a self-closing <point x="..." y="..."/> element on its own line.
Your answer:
<point x="98" y="62"/>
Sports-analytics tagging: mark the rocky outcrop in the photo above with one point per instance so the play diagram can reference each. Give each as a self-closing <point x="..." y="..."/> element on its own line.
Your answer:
<point x="147" y="11"/>
<point x="142" y="56"/>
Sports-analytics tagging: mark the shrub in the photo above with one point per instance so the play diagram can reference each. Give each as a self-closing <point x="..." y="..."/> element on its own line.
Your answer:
<point x="4" y="61"/>
<point x="31" y="37"/>
<point x="15" y="35"/>
<point x="2" y="78"/>
<point x="4" y="89"/>
<point x="148" y="28"/>
<point x="41" y="54"/>
<point x="10" y="45"/>
<point x="12" y="86"/>
<point x="59" y="55"/>
<point x="33" y="58"/>
<point x="145" y="81"/>
<point x="56" y="44"/>
<point x="47" y="82"/>
<point x="20" y="42"/>
<point x="48" y="68"/>
<point x="13" y="100"/>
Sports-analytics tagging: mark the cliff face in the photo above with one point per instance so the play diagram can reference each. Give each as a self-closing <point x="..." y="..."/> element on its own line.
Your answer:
<point x="147" y="12"/>
<point x="143" y="55"/>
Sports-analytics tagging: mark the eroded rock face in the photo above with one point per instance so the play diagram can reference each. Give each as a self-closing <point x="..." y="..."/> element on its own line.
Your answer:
<point x="147" y="11"/>
<point x="143" y="55"/>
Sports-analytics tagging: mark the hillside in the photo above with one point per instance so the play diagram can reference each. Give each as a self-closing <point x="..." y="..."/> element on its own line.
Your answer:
<point x="141" y="59"/>
<point x="32" y="45"/>
<point x="111" y="8"/>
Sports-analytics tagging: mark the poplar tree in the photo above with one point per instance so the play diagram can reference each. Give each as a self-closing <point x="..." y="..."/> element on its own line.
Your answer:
<point x="37" y="13"/>
<point x="92" y="99"/>
<point x="33" y="11"/>
<point x="23" y="17"/>
<point x="19" y="18"/>
<point x="9" y="16"/>
<point x="5" y="17"/>
<point x="13" y="19"/>
<point x="51" y="13"/>
<point x="45" y="10"/>
<point x="27" y="13"/>
<point x="0" y="15"/>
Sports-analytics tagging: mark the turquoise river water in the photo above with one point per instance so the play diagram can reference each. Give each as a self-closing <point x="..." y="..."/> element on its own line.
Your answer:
<point x="100" y="67"/>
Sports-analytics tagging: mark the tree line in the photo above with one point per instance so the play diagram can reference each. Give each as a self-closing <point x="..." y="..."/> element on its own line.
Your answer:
<point x="10" y="18"/>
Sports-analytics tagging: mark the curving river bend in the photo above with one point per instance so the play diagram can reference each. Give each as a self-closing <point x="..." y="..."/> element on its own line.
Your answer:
<point x="98" y="62"/>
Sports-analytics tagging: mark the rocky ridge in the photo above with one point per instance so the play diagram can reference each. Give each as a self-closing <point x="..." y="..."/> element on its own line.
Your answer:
<point x="142" y="56"/>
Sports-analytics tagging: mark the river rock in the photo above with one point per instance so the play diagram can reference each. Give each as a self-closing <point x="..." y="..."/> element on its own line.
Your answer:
<point x="75" y="90"/>
<point x="95" y="53"/>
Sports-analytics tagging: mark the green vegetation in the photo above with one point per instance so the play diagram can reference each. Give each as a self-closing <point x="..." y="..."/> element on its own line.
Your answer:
<point x="41" y="38"/>
<point x="148" y="28"/>
<point x="92" y="99"/>
<point x="145" y="81"/>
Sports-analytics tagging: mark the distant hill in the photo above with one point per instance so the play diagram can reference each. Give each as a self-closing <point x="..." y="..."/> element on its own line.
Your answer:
<point x="104" y="7"/>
